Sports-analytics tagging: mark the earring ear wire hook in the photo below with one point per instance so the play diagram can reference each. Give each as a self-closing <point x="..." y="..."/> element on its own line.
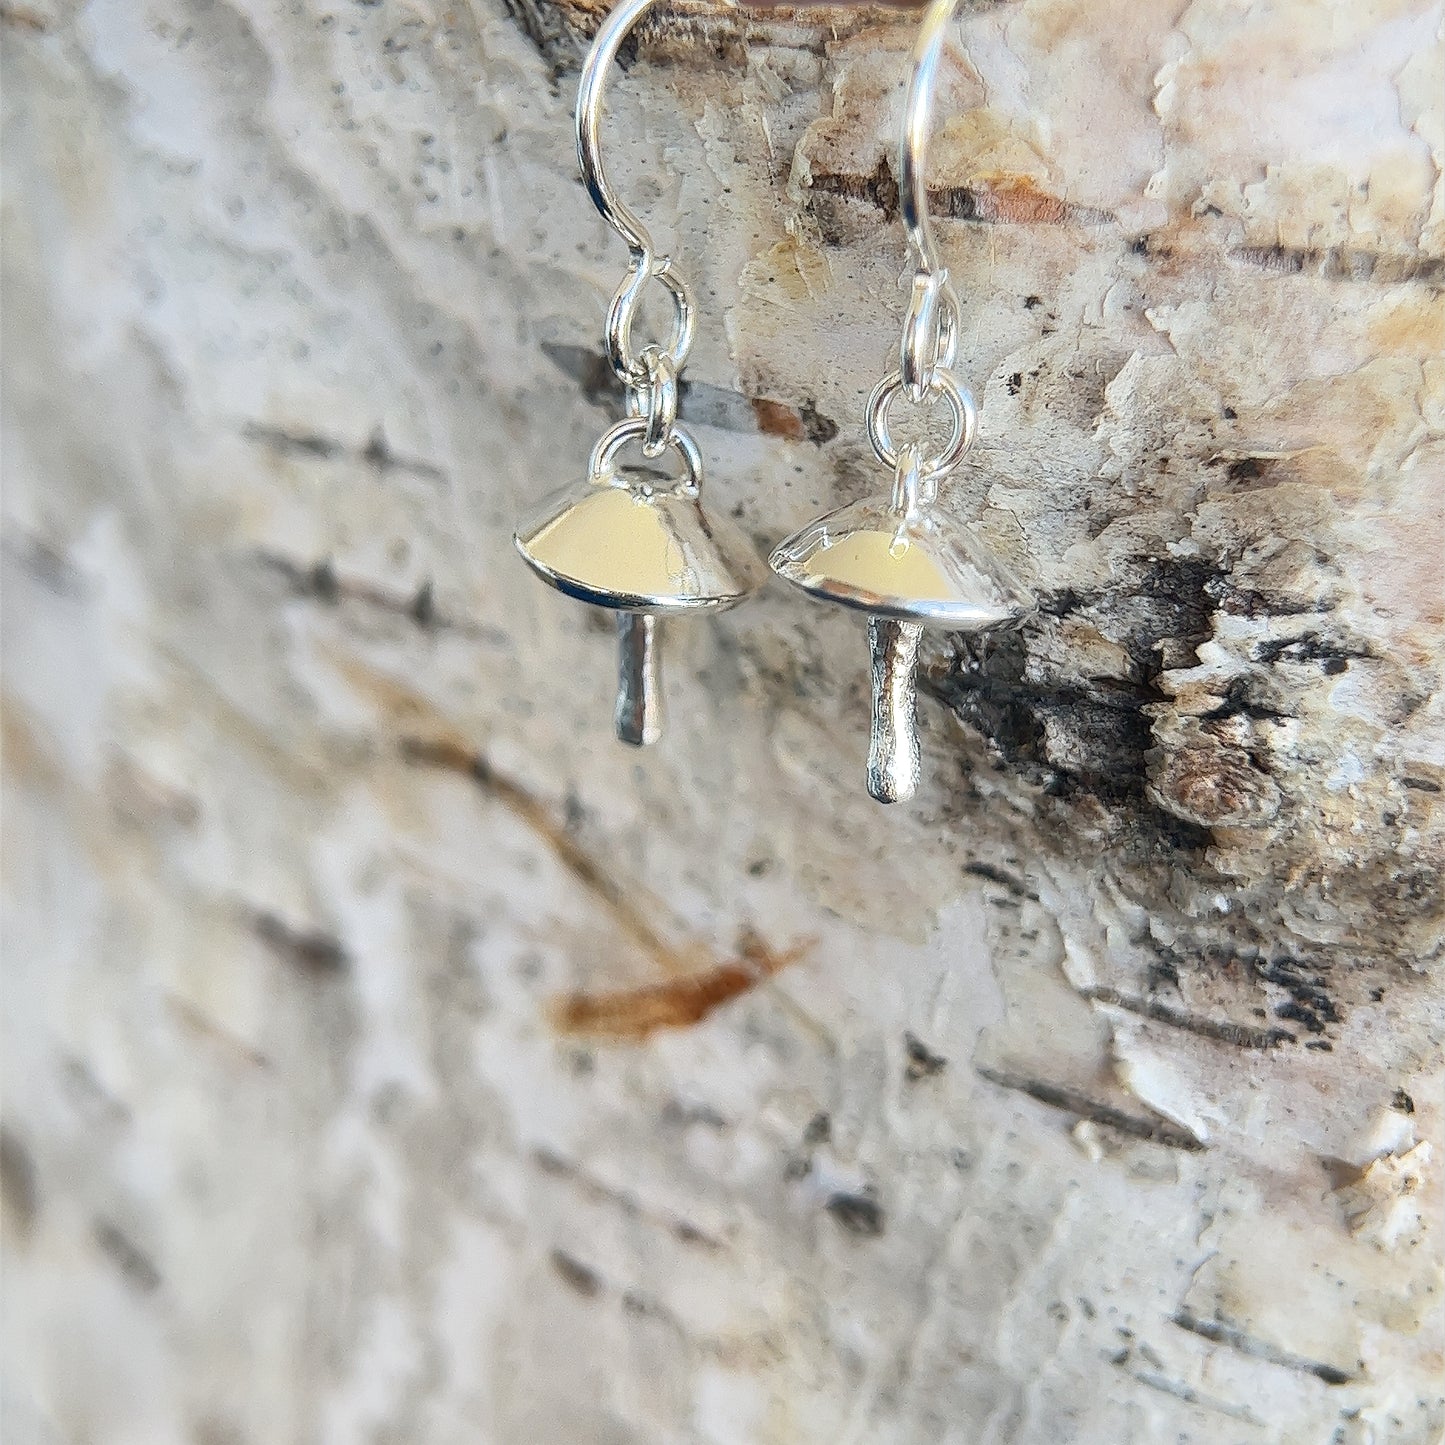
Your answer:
<point x="610" y="35"/>
<point x="917" y="127"/>
<point x="645" y="264"/>
<point x="930" y="329"/>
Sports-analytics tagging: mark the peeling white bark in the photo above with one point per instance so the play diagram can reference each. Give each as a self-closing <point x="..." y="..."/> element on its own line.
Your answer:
<point x="1094" y="1097"/>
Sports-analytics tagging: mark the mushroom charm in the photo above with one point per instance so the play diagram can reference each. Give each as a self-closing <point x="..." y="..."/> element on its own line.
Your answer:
<point x="627" y="539"/>
<point x="644" y="548"/>
<point x="908" y="565"/>
<point x="903" y="560"/>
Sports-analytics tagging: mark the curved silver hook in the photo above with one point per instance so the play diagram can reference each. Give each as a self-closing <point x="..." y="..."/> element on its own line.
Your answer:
<point x="608" y="42"/>
<point x="917" y="123"/>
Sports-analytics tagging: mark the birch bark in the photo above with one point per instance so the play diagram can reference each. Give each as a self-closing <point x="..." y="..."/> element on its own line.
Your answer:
<point x="390" y="1056"/>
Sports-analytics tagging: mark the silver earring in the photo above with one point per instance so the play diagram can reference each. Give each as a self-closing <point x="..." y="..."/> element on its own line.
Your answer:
<point x="902" y="559"/>
<point x="626" y="538"/>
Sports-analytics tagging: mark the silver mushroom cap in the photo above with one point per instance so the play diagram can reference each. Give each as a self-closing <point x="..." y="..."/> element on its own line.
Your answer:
<point x="907" y="569"/>
<point x="644" y="551"/>
<point x="636" y="548"/>
<point x="922" y="568"/>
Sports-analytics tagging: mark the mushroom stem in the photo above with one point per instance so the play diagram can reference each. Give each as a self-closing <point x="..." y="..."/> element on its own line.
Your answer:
<point x="639" y="679"/>
<point x="893" y="743"/>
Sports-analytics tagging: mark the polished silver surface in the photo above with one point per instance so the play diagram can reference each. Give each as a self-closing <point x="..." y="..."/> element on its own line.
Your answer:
<point x="893" y="765"/>
<point x="605" y="45"/>
<point x="917" y="127"/>
<point x="621" y="538"/>
<point x="930" y="329"/>
<point x="645" y="264"/>
<point x="636" y="549"/>
<point x="963" y="422"/>
<point x="929" y="569"/>
<point x="656" y="402"/>
<point x="639" y="679"/>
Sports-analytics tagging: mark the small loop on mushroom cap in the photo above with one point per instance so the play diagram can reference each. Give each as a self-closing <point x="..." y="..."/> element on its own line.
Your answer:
<point x="912" y="491"/>
<point x="600" y="466"/>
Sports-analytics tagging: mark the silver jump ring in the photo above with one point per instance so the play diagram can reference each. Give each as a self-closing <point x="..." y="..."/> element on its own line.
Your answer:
<point x="960" y="439"/>
<point x="628" y="366"/>
<point x="930" y="332"/>
<point x="656" y="400"/>
<point x="634" y="429"/>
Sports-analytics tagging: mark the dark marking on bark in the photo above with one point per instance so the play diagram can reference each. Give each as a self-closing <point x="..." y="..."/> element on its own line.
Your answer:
<point x="1344" y="263"/>
<point x="1071" y="1101"/>
<point x="19" y="1186"/>
<point x="818" y="1130"/>
<point x="1013" y="201"/>
<point x="574" y="1273"/>
<point x="548" y="27"/>
<point x="1154" y="1380"/>
<point x="1071" y="737"/>
<point x="320" y="582"/>
<point x="1333" y="655"/>
<point x="1004" y="879"/>
<point x="697" y="30"/>
<point x="922" y="1062"/>
<point x="312" y="950"/>
<point x="22" y="18"/>
<point x="133" y="1262"/>
<point x="1252" y="474"/>
<point x="376" y="453"/>
<point x="819" y="429"/>
<point x="594" y="375"/>
<point x="699" y="402"/>
<point x="1299" y="1014"/>
<point x="1309" y="1002"/>
<point x="879" y="190"/>
<point x="280" y="439"/>
<point x="45" y="562"/>
<point x="1241" y="700"/>
<point x="684" y="1230"/>
<point x="1242" y="1036"/>
<point x="423" y="605"/>
<point x="859" y="1214"/>
<point x="1010" y="200"/>
<point x="1221" y="1332"/>
<point x="685" y="1113"/>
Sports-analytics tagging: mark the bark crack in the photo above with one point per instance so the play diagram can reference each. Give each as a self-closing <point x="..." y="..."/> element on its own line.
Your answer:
<point x="1220" y="1332"/>
<point x="1071" y="1101"/>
